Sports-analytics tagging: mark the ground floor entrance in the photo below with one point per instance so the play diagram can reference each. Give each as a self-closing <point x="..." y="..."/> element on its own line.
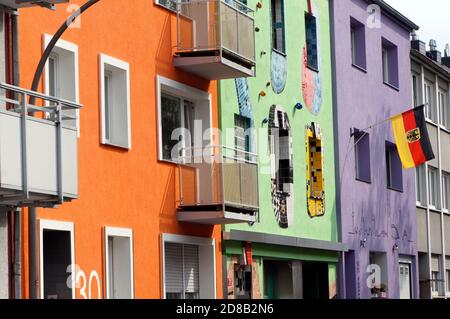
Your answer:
<point x="263" y="272"/>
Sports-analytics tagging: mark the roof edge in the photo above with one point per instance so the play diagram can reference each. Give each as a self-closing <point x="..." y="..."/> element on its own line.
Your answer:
<point x="392" y="12"/>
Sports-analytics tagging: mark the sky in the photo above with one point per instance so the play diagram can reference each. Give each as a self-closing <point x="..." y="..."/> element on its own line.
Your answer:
<point x="432" y="16"/>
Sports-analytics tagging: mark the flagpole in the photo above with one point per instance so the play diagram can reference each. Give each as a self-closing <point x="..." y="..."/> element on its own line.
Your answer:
<point x="364" y="133"/>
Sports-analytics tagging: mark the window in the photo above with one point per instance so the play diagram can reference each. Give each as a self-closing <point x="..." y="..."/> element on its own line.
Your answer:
<point x="362" y="156"/>
<point x="176" y="113"/>
<point x="180" y="107"/>
<point x="394" y="173"/>
<point x="446" y="191"/>
<point x="57" y="259"/>
<point x="435" y="282"/>
<point x="390" y="63"/>
<point x="430" y="107"/>
<point x="443" y="109"/>
<point x="61" y="77"/>
<point x="53" y="78"/>
<point x="433" y="187"/>
<point x="448" y="281"/>
<point x="278" y="26"/>
<point x="115" y="102"/>
<point x="182" y="271"/>
<point x="119" y="263"/>
<point x="188" y="267"/>
<point x="311" y="42"/>
<point x="242" y="126"/>
<point x="436" y="275"/>
<point x="416" y="94"/>
<point x="421" y="186"/>
<point x="358" y="43"/>
<point x="169" y="4"/>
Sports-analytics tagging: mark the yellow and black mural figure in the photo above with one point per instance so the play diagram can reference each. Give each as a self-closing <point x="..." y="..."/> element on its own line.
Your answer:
<point x="314" y="171"/>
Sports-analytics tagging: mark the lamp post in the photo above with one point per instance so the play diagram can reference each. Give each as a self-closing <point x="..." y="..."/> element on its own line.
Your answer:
<point x="32" y="217"/>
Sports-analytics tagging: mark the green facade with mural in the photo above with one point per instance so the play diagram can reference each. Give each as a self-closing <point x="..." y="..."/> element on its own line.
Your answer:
<point x="289" y="104"/>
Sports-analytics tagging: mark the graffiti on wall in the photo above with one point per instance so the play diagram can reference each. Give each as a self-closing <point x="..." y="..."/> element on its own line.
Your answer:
<point x="315" y="186"/>
<point x="278" y="71"/>
<point x="236" y="280"/>
<point x="281" y="159"/>
<point x="369" y="228"/>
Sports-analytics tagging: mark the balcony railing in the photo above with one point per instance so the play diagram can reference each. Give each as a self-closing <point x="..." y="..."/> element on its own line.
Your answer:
<point x="218" y="185"/>
<point x="216" y="38"/>
<point x="38" y="149"/>
<point x="25" y="3"/>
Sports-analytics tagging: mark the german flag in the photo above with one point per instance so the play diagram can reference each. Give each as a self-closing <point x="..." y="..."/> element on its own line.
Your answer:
<point x="411" y="136"/>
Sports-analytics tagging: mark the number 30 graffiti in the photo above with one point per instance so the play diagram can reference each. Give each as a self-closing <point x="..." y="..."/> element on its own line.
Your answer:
<point x="78" y="278"/>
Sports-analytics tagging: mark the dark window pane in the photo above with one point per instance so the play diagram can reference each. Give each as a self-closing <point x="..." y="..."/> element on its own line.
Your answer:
<point x="170" y="120"/>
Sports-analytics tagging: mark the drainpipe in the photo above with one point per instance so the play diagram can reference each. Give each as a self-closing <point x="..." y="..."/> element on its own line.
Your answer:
<point x="32" y="253"/>
<point x="17" y="254"/>
<point x="17" y="212"/>
<point x="341" y="282"/>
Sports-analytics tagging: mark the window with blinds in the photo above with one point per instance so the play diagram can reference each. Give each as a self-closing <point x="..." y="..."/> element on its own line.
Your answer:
<point x="181" y="271"/>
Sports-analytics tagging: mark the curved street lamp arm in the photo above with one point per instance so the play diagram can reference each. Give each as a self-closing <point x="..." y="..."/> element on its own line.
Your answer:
<point x="53" y="41"/>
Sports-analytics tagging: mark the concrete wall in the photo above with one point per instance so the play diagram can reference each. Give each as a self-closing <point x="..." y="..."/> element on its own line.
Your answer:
<point x="372" y="212"/>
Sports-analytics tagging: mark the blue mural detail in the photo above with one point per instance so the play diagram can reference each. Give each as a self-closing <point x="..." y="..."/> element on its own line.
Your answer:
<point x="245" y="105"/>
<point x="278" y="72"/>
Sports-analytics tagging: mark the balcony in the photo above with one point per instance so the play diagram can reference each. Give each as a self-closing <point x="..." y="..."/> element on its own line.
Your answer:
<point x="28" y="3"/>
<point x="215" y="39"/>
<point x="38" y="149"/>
<point x="218" y="186"/>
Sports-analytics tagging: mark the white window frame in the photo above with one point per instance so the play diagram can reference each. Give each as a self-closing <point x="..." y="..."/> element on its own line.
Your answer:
<point x="431" y="107"/>
<point x="73" y="48"/>
<point x="58" y="226"/>
<point x="124" y="66"/>
<point x="446" y="195"/>
<point x="443" y="106"/>
<point x="180" y="90"/>
<point x="421" y="188"/>
<point x="118" y="232"/>
<point x="188" y="240"/>
<point x="447" y="273"/>
<point x="433" y="197"/>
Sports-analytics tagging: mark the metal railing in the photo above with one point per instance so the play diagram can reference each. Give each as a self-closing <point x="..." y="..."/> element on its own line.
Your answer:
<point x="218" y="175"/>
<point x="54" y="110"/>
<point x="224" y="25"/>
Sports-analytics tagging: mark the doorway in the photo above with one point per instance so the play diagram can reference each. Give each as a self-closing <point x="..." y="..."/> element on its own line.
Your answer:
<point x="315" y="281"/>
<point x="405" y="280"/>
<point x="56" y="260"/>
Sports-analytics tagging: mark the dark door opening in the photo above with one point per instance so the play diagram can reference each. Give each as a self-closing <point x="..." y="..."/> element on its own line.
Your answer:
<point x="278" y="279"/>
<point x="57" y="256"/>
<point x="315" y="281"/>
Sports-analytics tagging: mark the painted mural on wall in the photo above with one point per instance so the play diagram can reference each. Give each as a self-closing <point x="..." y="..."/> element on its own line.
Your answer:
<point x="245" y="104"/>
<point x="243" y="279"/>
<point x="312" y="79"/>
<point x="281" y="158"/>
<point x="278" y="71"/>
<point x="315" y="187"/>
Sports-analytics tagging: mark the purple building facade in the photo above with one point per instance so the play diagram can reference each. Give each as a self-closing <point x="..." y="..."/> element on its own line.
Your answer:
<point x="376" y="197"/>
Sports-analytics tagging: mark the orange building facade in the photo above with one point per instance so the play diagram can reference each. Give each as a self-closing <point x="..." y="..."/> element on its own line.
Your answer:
<point x="117" y="60"/>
